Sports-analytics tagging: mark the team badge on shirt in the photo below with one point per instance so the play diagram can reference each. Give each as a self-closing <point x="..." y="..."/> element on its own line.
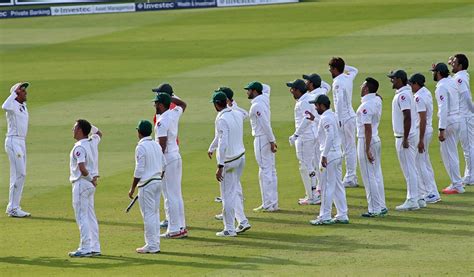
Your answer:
<point x="258" y="113"/>
<point x="78" y="154"/>
<point x="417" y="99"/>
<point x="459" y="81"/>
<point x="326" y="127"/>
<point x="403" y="98"/>
<point x="364" y="111"/>
<point x="441" y="97"/>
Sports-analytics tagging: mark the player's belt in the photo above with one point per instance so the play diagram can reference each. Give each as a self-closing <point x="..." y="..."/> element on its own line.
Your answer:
<point x="235" y="159"/>
<point x="398" y="136"/>
<point x="149" y="181"/>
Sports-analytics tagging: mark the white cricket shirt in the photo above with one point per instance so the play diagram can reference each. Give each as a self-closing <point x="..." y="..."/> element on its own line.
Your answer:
<point x="424" y="103"/>
<point x="342" y="93"/>
<point x="16" y="114"/>
<point x="369" y="112"/>
<point x="447" y="96"/>
<point x="403" y="100"/>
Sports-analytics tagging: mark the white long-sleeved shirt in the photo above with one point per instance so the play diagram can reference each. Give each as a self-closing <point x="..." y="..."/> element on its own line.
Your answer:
<point x="149" y="160"/>
<point x="230" y="132"/>
<point x="403" y="100"/>
<point x="167" y="126"/>
<point x="235" y="107"/>
<point x="466" y="107"/>
<point x="325" y="88"/>
<point x="447" y="96"/>
<point x="342" y="93"/>
<point x="424" y="103"/>
<point x="16" y="114"/>
<point x="328" y="134"/>
<point x="303" y="126"/>
<point x="369" y="112"/>
<point x="260" y="117"/>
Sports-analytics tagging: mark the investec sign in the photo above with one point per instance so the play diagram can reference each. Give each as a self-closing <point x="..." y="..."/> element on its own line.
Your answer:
<point x="233" y="3"/>
<point x="91" y="9"/>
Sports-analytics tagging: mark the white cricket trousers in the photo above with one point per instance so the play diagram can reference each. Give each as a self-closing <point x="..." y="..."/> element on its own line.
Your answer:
<point x="174" y="205"/>
<point x="83" y="203"/>
<point x="407" y="159"/>
<point x="149" y="199"/>
<point x="426" y="178"/>
<point x="316" y="162"/>
<point x="449" y="154"/>
<point x="372" y="174"/>
<point x="305" y="155"/>
<point x="332" y="189"/>
<point x="267" y="175"/>
<point x="467" y="143"/>
<point x="347" y="132"/>
<point x="229" y="192"/>
<point x="16" y="151"/>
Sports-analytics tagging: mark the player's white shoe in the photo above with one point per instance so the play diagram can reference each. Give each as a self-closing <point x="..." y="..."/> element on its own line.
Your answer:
<point x="18" y="213"/>
<point x="310" y="201"/>
<point x="432" y="198"/>
<point x="226" y="233"/>
<point x="146" y="250"/>
<point x="243" y="227"/>
<point x="350" y="183"/>
<point x="219" y="216"/>
<point x="409" y="205"/>
<point x="422" y="203"/>
<point x="79" y="254"/>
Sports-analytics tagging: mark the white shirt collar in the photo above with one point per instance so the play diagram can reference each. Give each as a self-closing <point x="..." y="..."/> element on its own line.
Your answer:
<point x="144" y="139"/>
<point x="406" y="87"/>
<point x="368" y="97"/>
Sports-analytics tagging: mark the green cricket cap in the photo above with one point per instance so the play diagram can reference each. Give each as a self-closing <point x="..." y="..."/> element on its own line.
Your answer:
<point x="163" y="98"/>
<point x="144" y="127"/>
<point x="218" y="96"/>
<point x="255" y="85"/>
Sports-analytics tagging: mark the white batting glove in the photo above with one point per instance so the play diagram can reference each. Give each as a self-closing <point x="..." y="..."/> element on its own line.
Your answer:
<point x="292" y="139"/>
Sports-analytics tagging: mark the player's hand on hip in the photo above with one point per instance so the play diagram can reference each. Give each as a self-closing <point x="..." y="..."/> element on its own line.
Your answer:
<point x="131" y="192"/>
<point x="324" y="162"/>
<point x="421" y="147"/>
<point x="273" y="147"/>
<point x="405" y="143"/>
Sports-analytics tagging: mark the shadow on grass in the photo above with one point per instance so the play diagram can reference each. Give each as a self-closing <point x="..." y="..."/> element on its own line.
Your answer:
<point x="101" y="222"/>
<point x="285" y="241"/>
<point x="415" y="230"/>
<point x="110" y="261"/>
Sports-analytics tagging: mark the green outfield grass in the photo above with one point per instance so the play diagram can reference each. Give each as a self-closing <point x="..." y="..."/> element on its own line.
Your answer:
<point x="102" y="67"/>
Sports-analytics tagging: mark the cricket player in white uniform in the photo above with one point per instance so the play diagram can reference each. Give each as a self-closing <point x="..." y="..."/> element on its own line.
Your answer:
<point x="332" y="189"/>
<point x="84" y="172"/>
<point x="369" y="148"/>
<point x="447" y="96"/>
<point x="406" y="137"/>
<point x="424" y="108"/>
<point x="230" y="155"/>
<point x="459" y="64"/>
<point x="264" y="144"/>
<point x="304" y="139"/>
<point x="343" y="78"/>
<point x="148" y="174"/>
<point x="316" y="86"/>
<point x="239" y="205"/>
<point x="15" y="146"/>
<point x="166" y="132"/>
